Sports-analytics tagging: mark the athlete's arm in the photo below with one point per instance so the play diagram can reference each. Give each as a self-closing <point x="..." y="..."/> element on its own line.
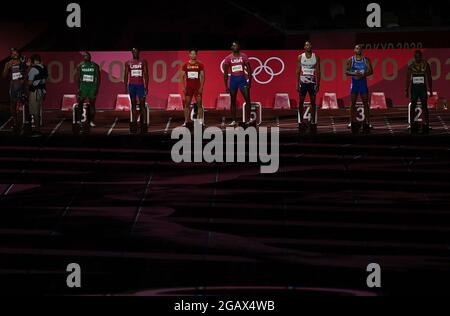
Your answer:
<point x="6" y="69"/>
<point x="318" y="74"/>
<point x="250" y="74"/>
<point x="225" y="77"/>
<point x="408" y="81"/>
<point x="146" y="76"/>
<point x="99" y="78"/>
<point x="348" y="71"/>
<point x="202" y="81"/>
<point x="298" y="70"/>
<point x="369" y="67"/>
<point x="429" y="79"/>
<point x="183" y="77"/>
<point x="78" y="78"/>
<point x="125" y="76"/>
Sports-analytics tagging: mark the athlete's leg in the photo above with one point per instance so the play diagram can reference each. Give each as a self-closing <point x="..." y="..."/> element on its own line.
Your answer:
<point x="187" y="108"/>
<point x="412" y="112"/>
<point x="13" y="107"/>
<point x="424" y="100"/>
<point x="233" y="94"/>
<point x="246" y="94"/>
<point x="312" y="97"/>
<point x="92" y="109"/>
<point x="354" y="98"/>
<point x="365" y="101"/>
<point x="143" y="110"/>
<point x="201" y="112"/>
<point x="301" y="104"/>
<point x="79" y="109"/>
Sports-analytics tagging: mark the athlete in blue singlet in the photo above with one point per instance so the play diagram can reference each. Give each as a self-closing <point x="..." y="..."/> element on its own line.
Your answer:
<point x="359" y="67"/>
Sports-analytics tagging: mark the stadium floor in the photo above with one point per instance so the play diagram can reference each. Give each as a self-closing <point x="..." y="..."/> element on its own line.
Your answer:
<point x="138" y="223"/>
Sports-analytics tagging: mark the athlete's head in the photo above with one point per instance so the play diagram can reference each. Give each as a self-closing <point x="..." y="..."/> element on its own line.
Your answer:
<point x="236" y="47"/>
<point x="36" y="59"/>
<point x="308" y="47"/>
<point x="193" y="54"/>
<point x="358" y="50"/>
<point x="14" y="53"/>
<point x="135" y="53"/>
<point x="86" y="56"/>
<point x="418" y="56"/>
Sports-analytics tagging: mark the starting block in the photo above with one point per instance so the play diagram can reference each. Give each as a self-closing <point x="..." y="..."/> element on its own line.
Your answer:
<point x="175" y="102"/>
<point x="329" y="101"/>
<point x="307" y="114"/>
<point x="433" y="100"/>
<point x="68" y="101"/>
<point x="255" y="112"/>
<point x="223" y="102"/>
<point x="282" y="102"/>
<point x="378" y="101"/>
<point x="123" y="102"/>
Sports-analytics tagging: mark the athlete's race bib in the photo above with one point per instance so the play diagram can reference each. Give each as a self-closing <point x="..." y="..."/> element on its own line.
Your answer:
<point x="88" y="78"/>
<point x="192" y="74"/>
<point x="237" y="68"/>
<point x="136" y="73"/>
<point x="418" y="80"/>
<point x="308" y="71"/>
<point x="16" y="76"/>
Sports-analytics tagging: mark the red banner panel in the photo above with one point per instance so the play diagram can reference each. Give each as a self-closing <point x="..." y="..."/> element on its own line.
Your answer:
<point x="274" y="72"/>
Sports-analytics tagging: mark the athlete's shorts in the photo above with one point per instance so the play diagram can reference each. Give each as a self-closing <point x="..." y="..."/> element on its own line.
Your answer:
<point x="35" y="102"/>
<point x="192" y="91"/>
<point x="359" y="87"/>
<point x="88" y="92"/>
<point x="419" y="92"/>
<point x="16" y="92"/>
<point x="136" y="91"/>
<point x="309" y="88"/>
<point x="238" y="82"/>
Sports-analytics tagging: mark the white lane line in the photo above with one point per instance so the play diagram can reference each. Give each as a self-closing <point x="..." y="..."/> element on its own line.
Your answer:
<point x="11" y="186"/>
<point x="138" y="213"/>
<point x="56" y="128"/>
<point x="443" y="124"/>
<point x="6" y="123"/>
<point x="167" y="125"/>
<point x="113" y="126"/>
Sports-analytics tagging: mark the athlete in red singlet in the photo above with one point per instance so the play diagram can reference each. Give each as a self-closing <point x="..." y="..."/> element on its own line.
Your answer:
<point x="193" y="82"/>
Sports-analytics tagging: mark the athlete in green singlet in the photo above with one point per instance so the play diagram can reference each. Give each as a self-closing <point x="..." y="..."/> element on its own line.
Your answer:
<point x="88" y="79"/>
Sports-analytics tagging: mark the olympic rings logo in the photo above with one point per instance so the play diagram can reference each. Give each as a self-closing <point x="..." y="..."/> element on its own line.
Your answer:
<point x="263" y="67"/>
